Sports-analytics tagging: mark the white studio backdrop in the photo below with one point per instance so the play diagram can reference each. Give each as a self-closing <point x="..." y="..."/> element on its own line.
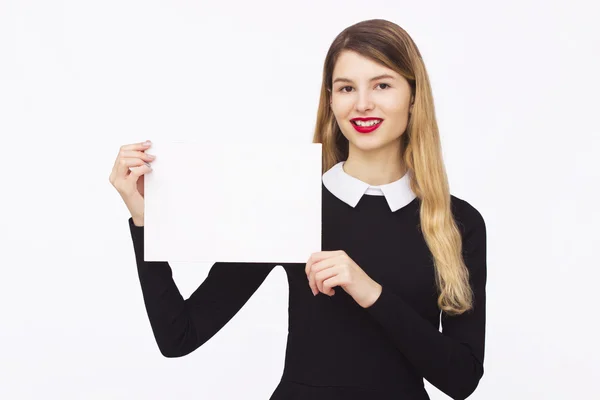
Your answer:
<point x="515" y="87"/>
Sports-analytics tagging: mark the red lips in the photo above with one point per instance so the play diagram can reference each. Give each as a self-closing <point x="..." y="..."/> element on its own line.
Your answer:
<point x="366" y="129"/>
<point x="364" y="119"/>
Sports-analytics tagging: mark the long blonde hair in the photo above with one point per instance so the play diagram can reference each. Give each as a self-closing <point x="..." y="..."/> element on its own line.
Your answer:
<point x="421" y="153"/>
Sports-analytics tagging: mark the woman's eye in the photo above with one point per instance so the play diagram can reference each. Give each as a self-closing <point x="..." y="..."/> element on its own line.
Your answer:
<point x="342" y="89"/>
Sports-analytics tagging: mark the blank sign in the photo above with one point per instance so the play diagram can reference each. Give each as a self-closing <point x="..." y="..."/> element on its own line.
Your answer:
<point x="233" y="202"/>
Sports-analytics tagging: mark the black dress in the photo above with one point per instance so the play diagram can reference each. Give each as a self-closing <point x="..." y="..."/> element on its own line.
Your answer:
<point x="380" y="352"/>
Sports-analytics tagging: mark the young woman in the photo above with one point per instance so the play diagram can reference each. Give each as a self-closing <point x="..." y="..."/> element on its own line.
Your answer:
<point x="400" y="253"/>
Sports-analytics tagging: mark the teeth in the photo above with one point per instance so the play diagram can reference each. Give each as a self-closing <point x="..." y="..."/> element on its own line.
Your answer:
<point x="367" y="123"/>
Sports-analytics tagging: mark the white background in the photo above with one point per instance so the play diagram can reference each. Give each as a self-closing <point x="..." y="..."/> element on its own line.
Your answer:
<point x="515" y="85"/>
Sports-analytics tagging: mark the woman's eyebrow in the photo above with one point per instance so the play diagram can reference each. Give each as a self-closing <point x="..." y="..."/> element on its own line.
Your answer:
<point x="341" y="79"/>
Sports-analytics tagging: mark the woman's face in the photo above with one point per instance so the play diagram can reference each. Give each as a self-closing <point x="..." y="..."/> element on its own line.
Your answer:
<point x="360" y="91"/>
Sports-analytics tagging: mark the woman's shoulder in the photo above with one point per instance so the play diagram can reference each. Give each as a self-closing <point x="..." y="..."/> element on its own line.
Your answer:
<point x="467" y="216"/>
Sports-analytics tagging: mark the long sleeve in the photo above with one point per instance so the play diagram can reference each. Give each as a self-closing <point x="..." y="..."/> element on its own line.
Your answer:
<point x="451" y="360"/>
<point x="181" y="326"/>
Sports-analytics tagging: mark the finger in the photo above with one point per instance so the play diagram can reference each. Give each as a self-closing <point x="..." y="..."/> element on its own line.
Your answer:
<point x="320" y="258"/>
<point x="316" y="267"/>
<point x="318" y="284"/>
<point x="322" y="276"/>
<point x="124" y="165"/>
<point x="324" y="264"/>
<point x="121" y="169"/>
<point x="329" y="284"/>
<point x="141" y="146"/>
<point x="307" y="272"/>
<point x="137" y="154"/>
<point x="316" y="257"/>
<point x="308" y="265"/>
<point x="312" y="284"/>
<point x="136" y="172"/>
<point x="318" y="277"/>
<point x="312" y="280"/>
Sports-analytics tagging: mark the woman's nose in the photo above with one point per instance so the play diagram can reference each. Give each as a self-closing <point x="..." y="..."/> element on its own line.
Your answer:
<point x="364" y="102"/>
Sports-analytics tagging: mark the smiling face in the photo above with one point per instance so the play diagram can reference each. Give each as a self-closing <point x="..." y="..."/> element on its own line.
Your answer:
<point x="364" y="89"/>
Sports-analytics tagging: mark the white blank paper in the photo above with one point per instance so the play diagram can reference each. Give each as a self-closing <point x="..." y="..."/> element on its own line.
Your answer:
<point x="233" y="202"/>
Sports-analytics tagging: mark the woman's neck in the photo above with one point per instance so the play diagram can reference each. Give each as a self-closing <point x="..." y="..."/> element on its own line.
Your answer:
<point x="375" y="169"/>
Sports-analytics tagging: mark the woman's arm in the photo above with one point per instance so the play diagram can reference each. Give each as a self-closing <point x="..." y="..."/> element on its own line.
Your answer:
<point x="451" y="360"/>
<point x="181" y="326"/>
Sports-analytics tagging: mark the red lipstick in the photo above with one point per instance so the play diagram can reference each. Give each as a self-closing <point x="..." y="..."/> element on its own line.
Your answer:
<point x="366" y="129"/>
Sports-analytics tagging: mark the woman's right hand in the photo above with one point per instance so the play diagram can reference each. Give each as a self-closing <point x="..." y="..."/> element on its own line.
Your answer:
<point x="127" y="177"/>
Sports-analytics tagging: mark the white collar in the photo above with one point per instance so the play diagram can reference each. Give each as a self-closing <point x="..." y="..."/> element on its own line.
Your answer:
<point x="350" y="189"/>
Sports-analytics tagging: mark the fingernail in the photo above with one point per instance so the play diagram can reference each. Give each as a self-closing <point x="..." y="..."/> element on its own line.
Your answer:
<point x="151" y="155"/>
<point x="147" y="143"/>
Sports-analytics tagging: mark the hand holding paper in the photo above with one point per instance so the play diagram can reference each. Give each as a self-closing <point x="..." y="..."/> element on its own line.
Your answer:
<point x="328" y="269"/>
<point x="127" y="176"/>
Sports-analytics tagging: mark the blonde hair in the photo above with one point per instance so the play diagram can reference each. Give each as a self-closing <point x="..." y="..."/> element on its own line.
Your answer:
<point x="421" y="153"/>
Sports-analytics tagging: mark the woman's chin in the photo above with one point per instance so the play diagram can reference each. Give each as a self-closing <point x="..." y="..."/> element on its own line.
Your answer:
<point x="367" y="143"/>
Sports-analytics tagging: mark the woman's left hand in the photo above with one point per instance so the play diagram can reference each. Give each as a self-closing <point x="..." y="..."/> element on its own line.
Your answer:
<point x="326" y="269"/>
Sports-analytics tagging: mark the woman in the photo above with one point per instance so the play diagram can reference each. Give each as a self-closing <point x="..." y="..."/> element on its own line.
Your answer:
<point x="399" y="251"/>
